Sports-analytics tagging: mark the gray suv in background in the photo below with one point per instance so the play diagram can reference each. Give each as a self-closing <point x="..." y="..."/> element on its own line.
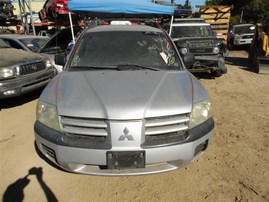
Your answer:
<point x="194" y="37"/>
<point x="22" y="71"/>
<point x="124" y="105"/>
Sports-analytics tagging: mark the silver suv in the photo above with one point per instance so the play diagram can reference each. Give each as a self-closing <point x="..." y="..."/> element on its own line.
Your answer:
<point x="124" y="105"/>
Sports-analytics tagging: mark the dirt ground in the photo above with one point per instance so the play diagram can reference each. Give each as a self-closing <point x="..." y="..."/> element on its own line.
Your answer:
<point x="234" y="168"/>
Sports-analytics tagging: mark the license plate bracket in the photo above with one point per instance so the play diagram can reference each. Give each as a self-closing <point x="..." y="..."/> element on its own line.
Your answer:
<point x="125" y="159"/>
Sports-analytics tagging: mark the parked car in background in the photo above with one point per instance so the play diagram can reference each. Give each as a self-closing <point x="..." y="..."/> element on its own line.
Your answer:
<point x="56" y="10"/>
<point x="124" y="105"/>
<point x="24" y="42"/>
<point x="240" y="35"/>
<point x="7" y="11"/>
<point x="48" y="46"/>
<point x="59" y="43"/>
<point x="195" y="37"/>
<point x="22" y="71"/>
<point x="30" y="43"/>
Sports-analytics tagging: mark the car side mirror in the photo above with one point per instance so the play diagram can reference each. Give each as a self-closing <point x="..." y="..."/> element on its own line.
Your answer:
<point x="70" y="46"/>
<point x="60" y="59"/>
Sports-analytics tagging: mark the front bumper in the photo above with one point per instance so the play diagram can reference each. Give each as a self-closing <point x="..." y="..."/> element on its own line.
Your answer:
<point x="162" y="158"/>
<point x="24" y="84"/>
<point x="205" y="63"/>
<point x="241" y="42"/>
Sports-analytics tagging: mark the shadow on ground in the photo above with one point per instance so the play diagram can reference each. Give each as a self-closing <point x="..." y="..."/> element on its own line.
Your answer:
<point x="242" y="63"/>
<point x="14" y="191"/>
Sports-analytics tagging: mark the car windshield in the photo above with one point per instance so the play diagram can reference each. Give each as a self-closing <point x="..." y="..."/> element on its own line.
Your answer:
<point x="124" y="50"/>
<point x="191" y="31"/>
<point x="34" y="44"/>
<point x="244" y="29"/>
<point x="3" y="44"/>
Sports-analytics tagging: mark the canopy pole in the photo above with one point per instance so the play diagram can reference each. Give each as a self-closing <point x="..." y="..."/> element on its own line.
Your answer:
<point x="171" y="23"/>
<point x="71" y="24"/>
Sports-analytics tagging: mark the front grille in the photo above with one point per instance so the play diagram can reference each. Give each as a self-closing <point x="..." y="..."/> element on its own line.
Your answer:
<point x="199" y="44"/>
<point x="84" y="132"/>
<point x="201" y="50"/>
<point x="31" y="68"/>
<point x="84" y="126"/>
<point x="165" y="130"/>
<point x="247" y="36"/>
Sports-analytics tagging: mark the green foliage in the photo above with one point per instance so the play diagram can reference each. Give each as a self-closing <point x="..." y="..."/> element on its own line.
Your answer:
<point x="252" y="11"/>
<point x="212" y="2"/>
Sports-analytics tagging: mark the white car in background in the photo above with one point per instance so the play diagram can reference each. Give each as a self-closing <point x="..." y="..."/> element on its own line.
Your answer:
<point x="240" y="35"/>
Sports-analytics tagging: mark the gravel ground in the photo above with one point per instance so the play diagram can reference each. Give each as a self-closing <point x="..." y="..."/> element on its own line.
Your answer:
<point x="234" y="168"/>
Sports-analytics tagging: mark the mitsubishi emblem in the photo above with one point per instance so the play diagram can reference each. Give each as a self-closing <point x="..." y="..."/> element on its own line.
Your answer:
<point x="125" y="135"/>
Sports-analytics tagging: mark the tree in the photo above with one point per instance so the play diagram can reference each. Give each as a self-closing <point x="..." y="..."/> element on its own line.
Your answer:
<point x="251" y="11"/>
<point x="212" y="2"/>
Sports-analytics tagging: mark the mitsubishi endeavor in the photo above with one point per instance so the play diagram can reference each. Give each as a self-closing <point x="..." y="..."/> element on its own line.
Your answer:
<point x="123" y="105"/>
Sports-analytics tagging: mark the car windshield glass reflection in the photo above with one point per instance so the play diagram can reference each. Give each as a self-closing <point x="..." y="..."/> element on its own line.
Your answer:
<point x="125" y="51"/>
<point x="34" y="44"/>
<point x="191" y="31"/>
<point x="244" y="29"/>
<point x="3" y="44"/>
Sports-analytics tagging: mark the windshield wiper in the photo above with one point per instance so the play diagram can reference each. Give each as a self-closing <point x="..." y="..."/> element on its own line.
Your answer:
<point x="120" y="67"/>
<point x="79" y="68"/>
<point x="135" y="67"/>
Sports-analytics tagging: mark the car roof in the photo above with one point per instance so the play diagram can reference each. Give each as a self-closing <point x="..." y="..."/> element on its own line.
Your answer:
<point x="23" y="36"/>
<point x="179" y="24"/>
<point x="242" y="25"/>
<point x="111" y="28"/>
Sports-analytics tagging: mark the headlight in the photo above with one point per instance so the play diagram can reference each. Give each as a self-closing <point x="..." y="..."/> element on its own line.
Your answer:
<point x="201" y="111"/>
<point x="48" y="64"/>
<point x="47" y="114"/>
<point x="216" y="50"/>
<point x="6" y="73"/>
<point x="183" y="50"/>
<point x="237" y="36"/>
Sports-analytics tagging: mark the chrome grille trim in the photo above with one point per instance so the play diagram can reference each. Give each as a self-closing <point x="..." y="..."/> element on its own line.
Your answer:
<point x="83" y="126"/>
<point x="30" y="68"/>
<point x="167" y="121"/>
<point x="247" y="36"/>
<point x="164" y="125"/>
<point x="165" y="129"/>
<point x="83" y="122"/>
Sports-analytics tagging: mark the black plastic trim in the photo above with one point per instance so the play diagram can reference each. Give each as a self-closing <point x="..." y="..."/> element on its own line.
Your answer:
<point x="62" y="139"/>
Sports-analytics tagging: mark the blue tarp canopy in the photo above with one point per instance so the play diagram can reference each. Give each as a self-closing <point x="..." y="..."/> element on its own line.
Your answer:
<point x="128" y="7"/>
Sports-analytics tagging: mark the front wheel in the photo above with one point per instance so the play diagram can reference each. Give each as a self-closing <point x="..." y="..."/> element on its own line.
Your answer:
<point x="222" y="67"/>
<point x="216" y="73"/>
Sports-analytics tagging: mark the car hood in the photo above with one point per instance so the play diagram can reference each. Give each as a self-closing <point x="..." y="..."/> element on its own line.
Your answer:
<point x="12" y="56"/>
<point x="123" y="95"/>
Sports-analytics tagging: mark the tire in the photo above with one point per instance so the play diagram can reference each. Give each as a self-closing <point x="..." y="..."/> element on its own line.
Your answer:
<point x="217" y="73"/>
<point x="222" y="67"/>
